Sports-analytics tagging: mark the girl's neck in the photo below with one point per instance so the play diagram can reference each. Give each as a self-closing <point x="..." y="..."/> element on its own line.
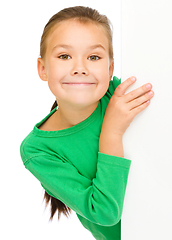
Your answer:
<point x="67" y="116"/>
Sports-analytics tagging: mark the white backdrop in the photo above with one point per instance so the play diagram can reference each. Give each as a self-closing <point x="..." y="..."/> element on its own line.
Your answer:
<point x="147" y="54"/>
<point x="25" y="100"/>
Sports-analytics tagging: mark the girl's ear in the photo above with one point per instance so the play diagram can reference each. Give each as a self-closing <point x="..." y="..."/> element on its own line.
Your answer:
<point x="111" y="68"/>
<point x="41" y="69"/>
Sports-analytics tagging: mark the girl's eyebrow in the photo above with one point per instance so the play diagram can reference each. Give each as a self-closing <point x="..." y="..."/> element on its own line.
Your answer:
<point x="61" y="46"/>
<point x="97" y="46"/>
<point x="69" y="47"/>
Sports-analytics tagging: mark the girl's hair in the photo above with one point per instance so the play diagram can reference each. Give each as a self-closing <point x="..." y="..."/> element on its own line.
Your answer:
<point x="83" y="15"/>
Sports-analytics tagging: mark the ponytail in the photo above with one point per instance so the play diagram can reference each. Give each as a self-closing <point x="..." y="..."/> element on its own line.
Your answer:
<point x="56" y="204"/>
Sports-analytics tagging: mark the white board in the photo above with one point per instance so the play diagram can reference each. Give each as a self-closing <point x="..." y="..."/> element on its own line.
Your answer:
<point x="147" y="54"/>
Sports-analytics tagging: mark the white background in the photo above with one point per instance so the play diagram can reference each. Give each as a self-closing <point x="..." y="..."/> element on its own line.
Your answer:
<point x="25" y="100"/>
<point x="147" y="54"/>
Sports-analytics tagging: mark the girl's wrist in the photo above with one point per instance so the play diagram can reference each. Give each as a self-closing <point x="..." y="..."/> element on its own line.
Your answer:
<point x="111" y="144"/>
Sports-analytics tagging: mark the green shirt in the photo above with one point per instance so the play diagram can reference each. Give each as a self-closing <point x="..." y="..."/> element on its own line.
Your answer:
<point x="70" y="167"/>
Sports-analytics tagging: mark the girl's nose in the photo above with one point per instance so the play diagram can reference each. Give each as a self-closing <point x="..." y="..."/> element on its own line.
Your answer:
<point x="78" y="72"/>
<point x="79" y="69"/>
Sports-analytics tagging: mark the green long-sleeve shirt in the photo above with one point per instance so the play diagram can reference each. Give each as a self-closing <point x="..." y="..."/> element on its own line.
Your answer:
<point x="70" y="167"/>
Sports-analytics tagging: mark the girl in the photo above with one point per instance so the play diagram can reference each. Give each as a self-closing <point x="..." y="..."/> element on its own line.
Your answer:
<point x="76" y="151"/>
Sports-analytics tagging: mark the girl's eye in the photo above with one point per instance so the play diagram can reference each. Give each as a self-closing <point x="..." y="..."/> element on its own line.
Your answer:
<point x="94" y="58"/>
<point x="64" y="57"/>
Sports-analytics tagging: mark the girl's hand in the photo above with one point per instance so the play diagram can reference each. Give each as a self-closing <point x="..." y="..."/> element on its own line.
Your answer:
<point x="120" y="112"/>
<point x="122" y="108"/>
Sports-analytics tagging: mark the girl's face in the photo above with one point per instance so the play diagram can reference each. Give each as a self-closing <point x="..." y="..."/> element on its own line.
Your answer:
<point x="77" y="65"/>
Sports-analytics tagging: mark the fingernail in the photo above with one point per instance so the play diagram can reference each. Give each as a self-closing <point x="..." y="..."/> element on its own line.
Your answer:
<point x="148" y="86"/>
<point x="150" y="93"/>
<point x="133" y="79"/>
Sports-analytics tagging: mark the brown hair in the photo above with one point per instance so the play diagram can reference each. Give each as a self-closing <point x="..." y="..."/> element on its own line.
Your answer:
<point x="83" y="15"/>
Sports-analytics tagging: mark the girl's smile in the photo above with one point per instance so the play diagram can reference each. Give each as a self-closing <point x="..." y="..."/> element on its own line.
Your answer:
<point x="78" y="84"/>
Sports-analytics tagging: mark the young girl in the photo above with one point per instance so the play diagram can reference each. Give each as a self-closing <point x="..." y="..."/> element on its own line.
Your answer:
<point x="76" y="151"/>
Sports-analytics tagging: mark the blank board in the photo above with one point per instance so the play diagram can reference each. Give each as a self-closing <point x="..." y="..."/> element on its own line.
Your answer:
<point x="147" y="54"/>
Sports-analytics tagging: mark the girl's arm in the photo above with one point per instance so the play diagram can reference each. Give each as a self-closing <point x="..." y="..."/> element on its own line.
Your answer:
<point x="120" y="112"/>
<point x="100" y="200"/>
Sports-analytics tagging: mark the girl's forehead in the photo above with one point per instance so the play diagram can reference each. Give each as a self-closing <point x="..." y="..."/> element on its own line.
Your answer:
<point x="74" y="29"/>
<point x="77" y="23"/>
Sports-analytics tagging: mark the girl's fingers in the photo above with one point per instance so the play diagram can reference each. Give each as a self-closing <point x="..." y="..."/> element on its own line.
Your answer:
<point x="121" y="89"/>
<point x="140" y="100"/>
<point x="138" y="92"/>
<point x="140" y="108"/>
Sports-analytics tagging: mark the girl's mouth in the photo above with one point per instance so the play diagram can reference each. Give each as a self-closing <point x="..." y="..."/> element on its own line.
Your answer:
<point x="78" y="83"/>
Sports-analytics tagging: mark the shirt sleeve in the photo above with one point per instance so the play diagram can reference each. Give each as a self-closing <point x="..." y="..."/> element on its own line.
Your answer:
<point x="99" y="200"/>
<point x="113" y="85"/>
